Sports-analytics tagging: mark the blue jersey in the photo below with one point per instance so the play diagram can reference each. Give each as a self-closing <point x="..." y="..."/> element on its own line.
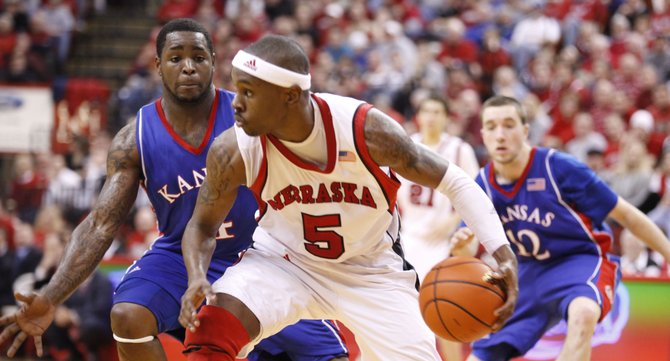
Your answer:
<point x="555" y="209"/>
<point x="554" y="217"/>
<point x="173" y="171"/>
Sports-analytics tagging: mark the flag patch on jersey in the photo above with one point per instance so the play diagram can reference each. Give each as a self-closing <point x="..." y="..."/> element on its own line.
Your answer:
<point x="346" y="156"/>
<point x="536" y="184"/>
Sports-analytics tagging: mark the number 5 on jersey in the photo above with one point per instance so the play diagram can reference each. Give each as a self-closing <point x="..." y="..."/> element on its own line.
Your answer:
<point x="322" y="243"/>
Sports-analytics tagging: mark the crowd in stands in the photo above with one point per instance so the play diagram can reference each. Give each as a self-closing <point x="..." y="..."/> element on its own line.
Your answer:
<point x="594" y="76"/>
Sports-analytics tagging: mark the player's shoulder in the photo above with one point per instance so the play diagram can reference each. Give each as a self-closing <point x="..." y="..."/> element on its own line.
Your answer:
<point x="558" y="158"/>
<point x="123" y="151"/>
<point x="334" y="99"/>
<point x="226" y="95"/>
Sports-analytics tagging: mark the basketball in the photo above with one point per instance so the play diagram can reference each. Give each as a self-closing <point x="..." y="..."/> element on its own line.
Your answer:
<point x="457" y="302"/>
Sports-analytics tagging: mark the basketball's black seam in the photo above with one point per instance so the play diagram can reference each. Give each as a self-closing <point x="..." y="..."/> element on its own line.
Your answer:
<point x="437" y="310"/>
<point x="502" y="297"/>
<point x="439" y="267"/>
<point x="463" y="309"/>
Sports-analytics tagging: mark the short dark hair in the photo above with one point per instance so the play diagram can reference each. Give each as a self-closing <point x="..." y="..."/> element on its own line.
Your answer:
<point x="434" y="97"/>
<point x="182" y="24"/>
<point x="281" y="51"/>
<point x="501" y="100"/>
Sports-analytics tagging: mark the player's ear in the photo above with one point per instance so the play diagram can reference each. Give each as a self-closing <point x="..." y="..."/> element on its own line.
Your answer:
<point x="157" y="64"/>
<point x="292" y="94"/>
<point x="213" y="61"/>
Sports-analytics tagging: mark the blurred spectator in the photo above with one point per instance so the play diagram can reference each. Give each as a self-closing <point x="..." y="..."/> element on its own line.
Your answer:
<point x="627" y="76"/>
<point x="586" y="138"/>
<point x="81" y="328"/>
<point x="145" y="231"/>
<point x="595" y="159"/>
<point x="602" y="97"/>
<point x="16" y="9"/>
<point x="505" y="82"/>
<point x="278" y="8"/>
<point x="642" y="128"/>
<point x="81" y="325"/>
<point x="65" y="185"/>
<point x="457" y="51"/>
<point x="137" y="91"/>
<point x="637" y="259"/>
<point x="27" y="188"/>
<point x="615" y="133"/>
<point x="59" y="23"/>
<point x="7" y="39"/>
<point x="491" y="57"/>
<point x="562" y="131"/>
<point x="7" y="260"/>
<point x="659" y="57"/>
<point x="27" y="255"/>
<point x="173" y="9"/>
<point x="539" y="122"/>
<point x="532" y="33"/>
<point x="629" y="177"/>
<point x="660" y="110"/>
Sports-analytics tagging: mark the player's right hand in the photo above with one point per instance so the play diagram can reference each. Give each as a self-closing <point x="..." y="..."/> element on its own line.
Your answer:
<point x="32" y="319"/>
<point x="460" y="240"/>
<point x="195" y="295"/>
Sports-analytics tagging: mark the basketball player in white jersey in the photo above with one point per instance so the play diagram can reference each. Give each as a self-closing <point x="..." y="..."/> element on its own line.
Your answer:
<point x="428" y="218"/>
<point x="327" y="246"/>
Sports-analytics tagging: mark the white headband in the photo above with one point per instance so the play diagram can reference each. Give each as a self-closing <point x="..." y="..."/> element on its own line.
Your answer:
<point x="271" y="73"/>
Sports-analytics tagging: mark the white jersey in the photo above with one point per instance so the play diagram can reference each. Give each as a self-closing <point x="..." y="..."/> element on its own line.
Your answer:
<point x="333" y="214"/>
<point x="326" y="245"/>
<point x="424" y="209"/>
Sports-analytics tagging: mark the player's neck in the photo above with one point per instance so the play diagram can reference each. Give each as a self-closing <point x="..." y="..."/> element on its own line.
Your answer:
<point x="183" y="114"/>
<point x="508" y="172"/>
<point x="430" y="138"/>
<point x="299" y="123"/>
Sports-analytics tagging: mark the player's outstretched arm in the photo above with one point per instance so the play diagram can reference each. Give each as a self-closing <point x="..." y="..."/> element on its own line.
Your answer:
<point x="225" y="173"/>
<point x="389" y="145"/>
<point x="89" y="242"/>
<point x="641" y="226"/>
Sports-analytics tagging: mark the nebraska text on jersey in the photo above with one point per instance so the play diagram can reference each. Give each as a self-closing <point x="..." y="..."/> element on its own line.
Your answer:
<point x="336" y="192"/>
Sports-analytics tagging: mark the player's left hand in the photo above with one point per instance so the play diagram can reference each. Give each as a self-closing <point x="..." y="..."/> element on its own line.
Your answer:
<point x="506" y="277"/>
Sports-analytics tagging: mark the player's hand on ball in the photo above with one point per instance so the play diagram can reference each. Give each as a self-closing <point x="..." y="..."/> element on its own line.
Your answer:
<point x="195" y="295"/>
<point x="506" y="278"/>
<point x="32" y="319"/>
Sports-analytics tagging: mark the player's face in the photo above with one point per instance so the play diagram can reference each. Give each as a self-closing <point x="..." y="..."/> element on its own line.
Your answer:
<point x="258" y="105"/>
<point x="503" y="133"/>
<point x="432" y="117"/>
<point x="186" y="66"/>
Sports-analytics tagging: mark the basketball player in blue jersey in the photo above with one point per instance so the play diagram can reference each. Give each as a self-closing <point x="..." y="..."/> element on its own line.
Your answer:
<point x="165" y="150"/>
<point x="553" y="209"/>
<point x="327" y="245"/>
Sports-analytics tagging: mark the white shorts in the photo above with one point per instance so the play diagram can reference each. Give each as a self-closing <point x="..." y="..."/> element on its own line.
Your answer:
<point x="378" y="301"/>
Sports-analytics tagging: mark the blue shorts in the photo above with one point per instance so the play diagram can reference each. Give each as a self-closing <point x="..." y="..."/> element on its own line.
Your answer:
<point x="158" y="280"/>
<point x="325" y="343"/>
<point x="545" y="292"/>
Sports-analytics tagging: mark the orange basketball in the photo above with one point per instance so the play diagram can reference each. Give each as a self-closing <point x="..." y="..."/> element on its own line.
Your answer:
<point x="457" y="302"/>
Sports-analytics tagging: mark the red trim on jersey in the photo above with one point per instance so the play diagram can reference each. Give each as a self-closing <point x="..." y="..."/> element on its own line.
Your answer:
<point x="519" y="182"/>
<point x="331" y="143"/>
<point x="178" y="138"/>
<point x="388" y="183"/>
<point x="259" y="183"/>
<point x="607" y="272"/>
